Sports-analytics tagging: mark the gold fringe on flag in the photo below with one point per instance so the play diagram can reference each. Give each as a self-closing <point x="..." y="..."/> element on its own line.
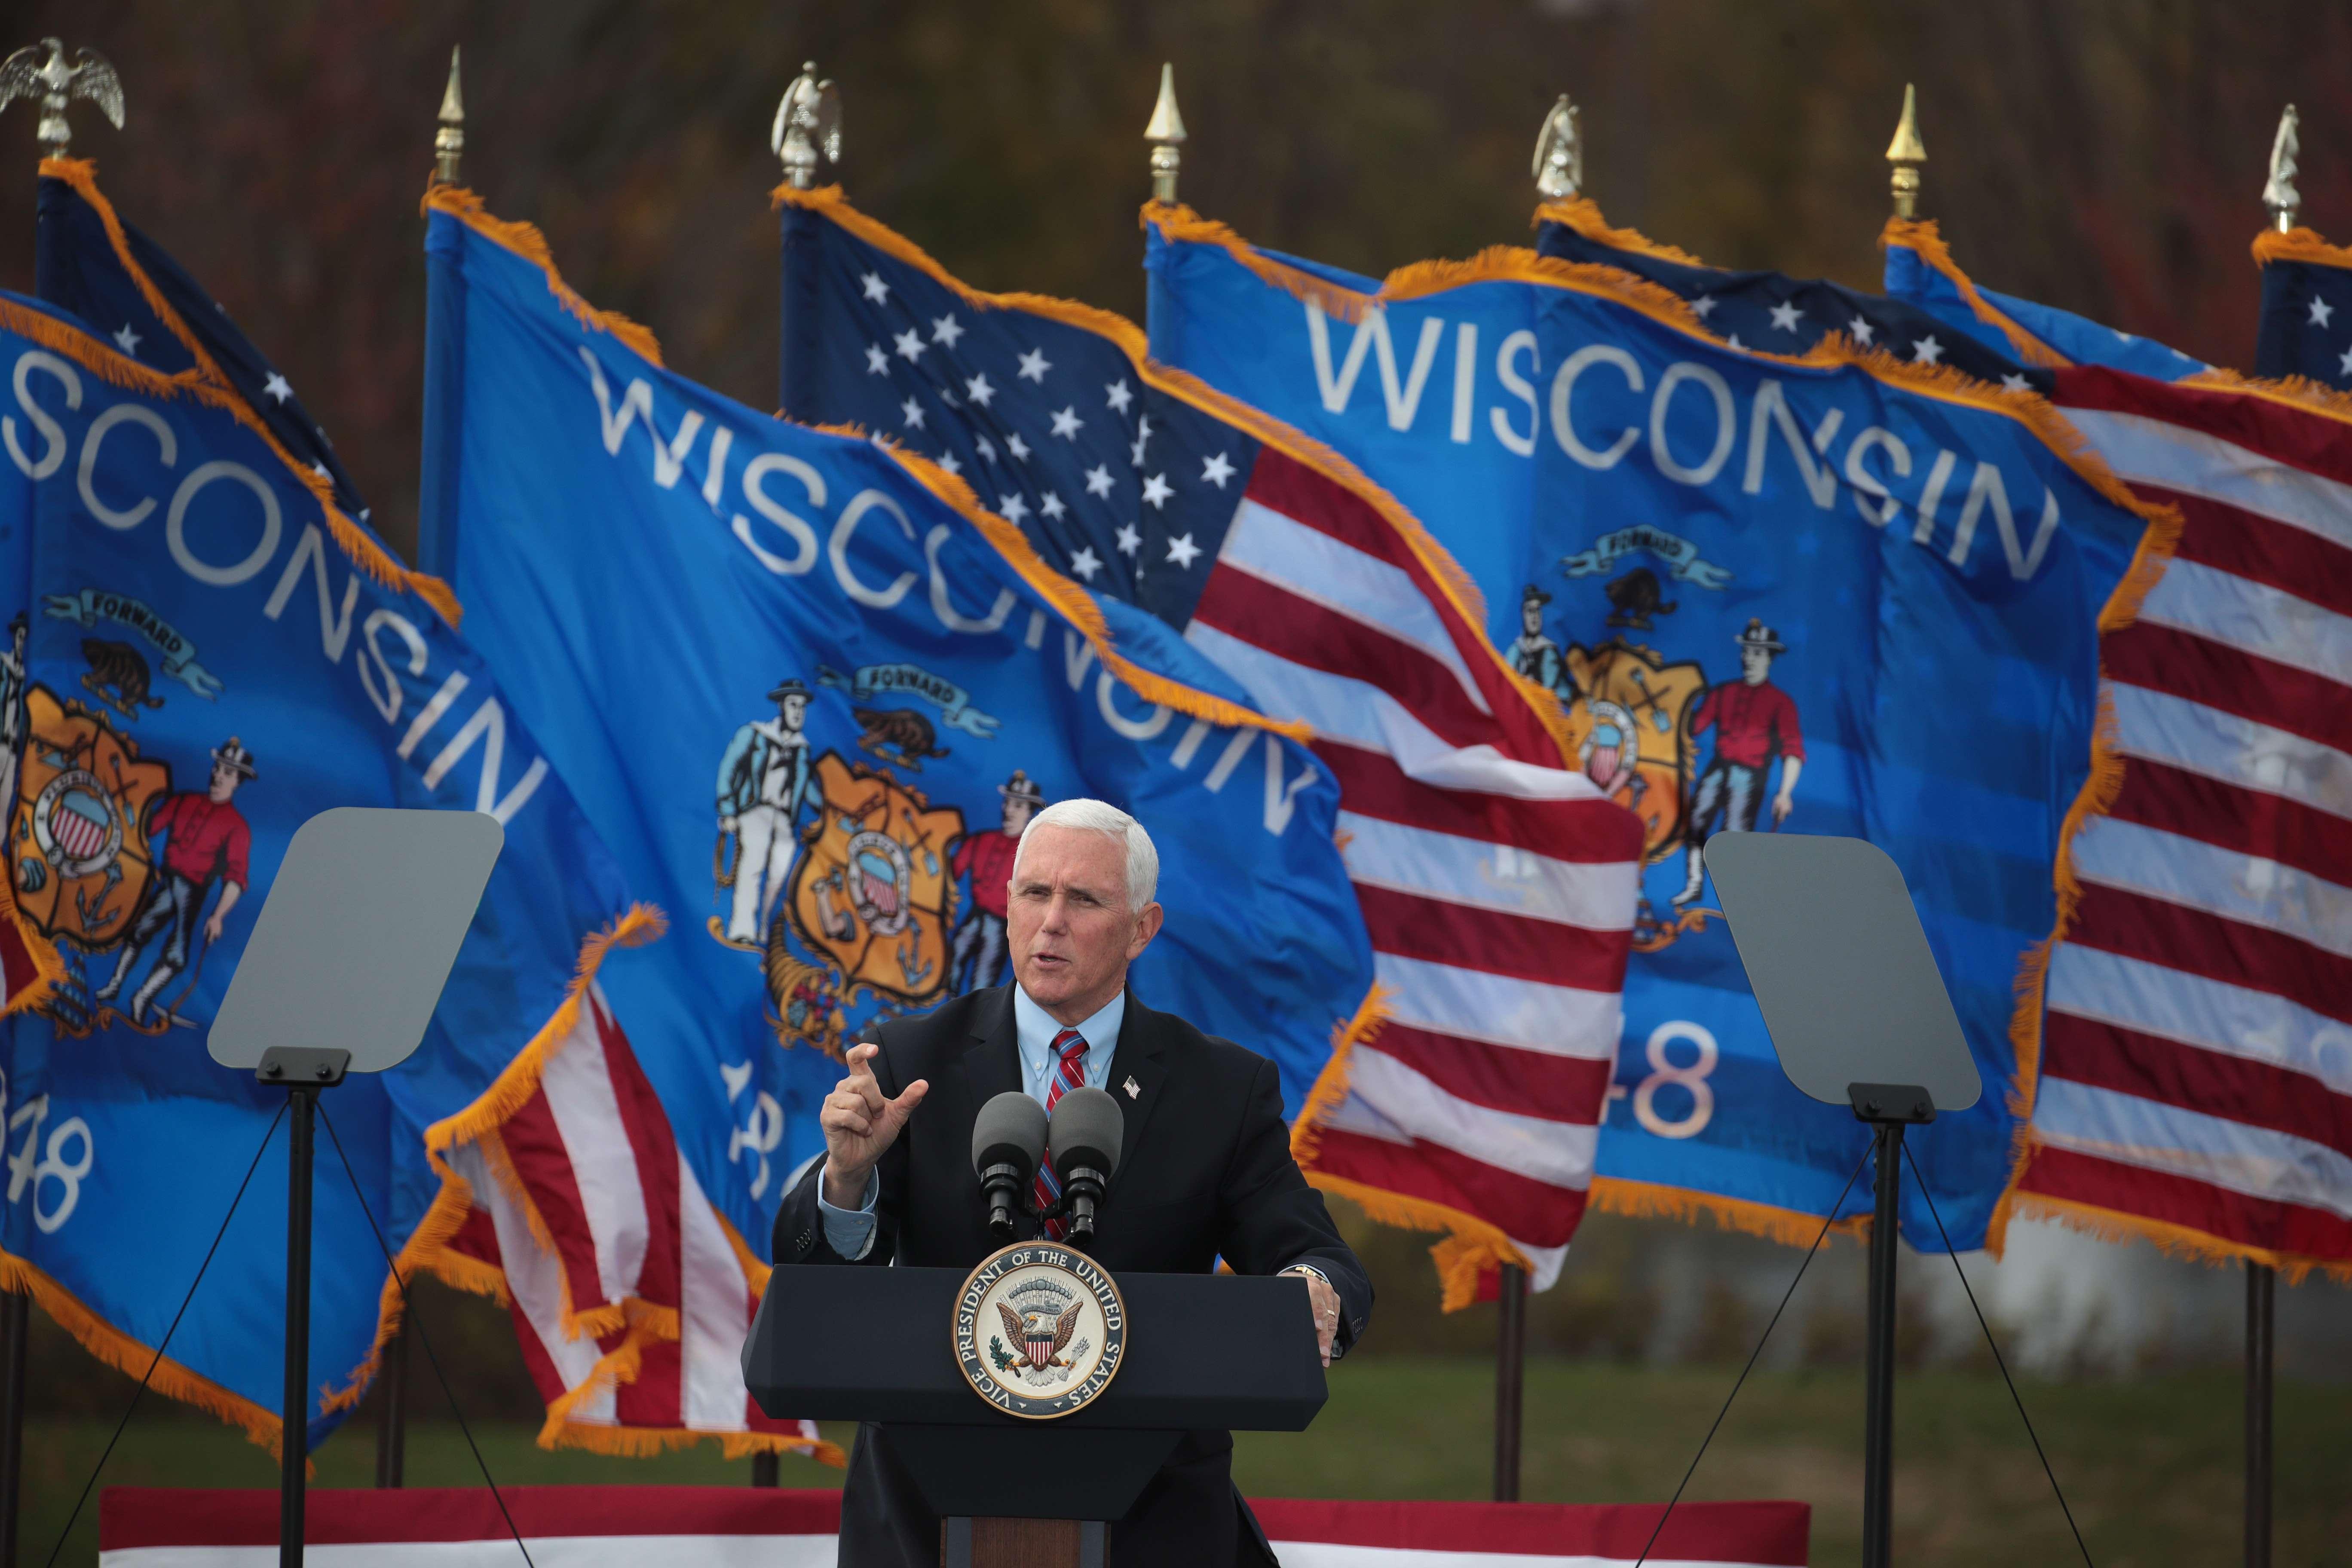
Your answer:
<point x="2298" y="244"/>
<point x="1331" y="1084"/>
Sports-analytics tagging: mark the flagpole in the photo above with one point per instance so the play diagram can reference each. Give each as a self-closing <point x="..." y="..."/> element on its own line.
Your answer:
<point x="1510" y="1379"/>
<point x="2262" y="1290"/>
<point x="15" y="1312"/>
<point x="1165" y="134"/>
<point x="2282" y="200"/>
<point x="91" y="78"/>
<point x="445" y="336"/>
<point x="806" y="135"/>
<point x="392" y="1423"/>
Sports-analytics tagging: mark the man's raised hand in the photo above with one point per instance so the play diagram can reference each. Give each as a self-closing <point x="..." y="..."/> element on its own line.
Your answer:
<point x="860" y="1124"/>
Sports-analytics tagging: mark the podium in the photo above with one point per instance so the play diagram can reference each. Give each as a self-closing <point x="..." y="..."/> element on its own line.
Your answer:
<point x="1203" y="1352"/>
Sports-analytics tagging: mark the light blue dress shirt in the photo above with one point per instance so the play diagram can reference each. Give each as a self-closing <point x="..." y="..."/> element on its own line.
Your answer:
<point x="850" y="1232"/>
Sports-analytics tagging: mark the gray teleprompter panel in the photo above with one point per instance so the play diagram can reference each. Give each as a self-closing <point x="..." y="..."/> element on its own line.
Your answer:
<point x="358" y="936"/>
<point x="1834" y="949"/>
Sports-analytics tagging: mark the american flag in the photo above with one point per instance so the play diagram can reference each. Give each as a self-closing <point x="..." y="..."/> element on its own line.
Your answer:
<point x="631" y="1296"/>
<point x="1497" y="883"/>
<point x="2192" y="1079"/>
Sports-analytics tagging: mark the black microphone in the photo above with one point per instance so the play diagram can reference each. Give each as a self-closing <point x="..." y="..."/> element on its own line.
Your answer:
<point x="1087" y="1129"/>
<point x="1007" y="1138"/>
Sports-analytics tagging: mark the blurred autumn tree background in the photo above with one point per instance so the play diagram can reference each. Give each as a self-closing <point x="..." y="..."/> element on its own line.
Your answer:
<point x="2102" y="155"/>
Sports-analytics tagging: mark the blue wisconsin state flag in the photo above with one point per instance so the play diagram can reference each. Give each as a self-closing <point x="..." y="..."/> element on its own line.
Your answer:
<point x="2306" y="322"/>
<point x="1835" y="592"/>
<point x="215" y="654"/>
<point x="811" y="693"/>
<point x="1920" y="270"/>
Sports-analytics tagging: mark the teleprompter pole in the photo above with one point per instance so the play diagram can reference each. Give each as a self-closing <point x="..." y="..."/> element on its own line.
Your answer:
<point x="1878" y="1420"/>
<point x="1511" y="1380"/>
<point x="15" y="1317"/>
<point x="1889" y="1108"/>
<point x="294" y="1446"/>
<point x="2262" y="1292"/>
<point x="303" y="1073"/>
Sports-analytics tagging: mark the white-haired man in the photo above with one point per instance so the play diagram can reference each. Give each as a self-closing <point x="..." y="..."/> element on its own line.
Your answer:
<point x="1204" y="1171"/>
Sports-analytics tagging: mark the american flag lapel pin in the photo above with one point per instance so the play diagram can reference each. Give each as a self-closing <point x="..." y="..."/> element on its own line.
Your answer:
<point x="1132" y="1088"/>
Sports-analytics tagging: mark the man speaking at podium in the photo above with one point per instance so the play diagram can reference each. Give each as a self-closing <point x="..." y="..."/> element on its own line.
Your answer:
<point x="1205" y="1170"/>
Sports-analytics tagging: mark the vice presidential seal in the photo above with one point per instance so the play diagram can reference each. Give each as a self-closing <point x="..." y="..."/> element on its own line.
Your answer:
<point x="1039" y="1331"/>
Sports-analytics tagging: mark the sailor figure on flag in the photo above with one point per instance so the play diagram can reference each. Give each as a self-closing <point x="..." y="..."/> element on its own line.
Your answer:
<point x="206" y="841"/>
<point x="1534" y="655"/>
<point x="764" y="780"/>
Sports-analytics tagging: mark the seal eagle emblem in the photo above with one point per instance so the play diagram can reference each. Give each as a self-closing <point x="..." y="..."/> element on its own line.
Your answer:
<point x="1039" y="1330"/>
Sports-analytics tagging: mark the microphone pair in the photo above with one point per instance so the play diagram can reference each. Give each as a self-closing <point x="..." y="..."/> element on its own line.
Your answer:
<point x="1013" y="1133"/>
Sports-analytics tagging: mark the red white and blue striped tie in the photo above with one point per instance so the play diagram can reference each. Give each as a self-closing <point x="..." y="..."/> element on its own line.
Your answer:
<point x="1068" y="1073"/>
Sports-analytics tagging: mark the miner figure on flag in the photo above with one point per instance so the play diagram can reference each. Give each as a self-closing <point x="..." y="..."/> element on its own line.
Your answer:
<point x="977" y="961"/>
<point x="764" y="780"/>
<point x="1754" y="721"/>
<point x="206" y="840"/>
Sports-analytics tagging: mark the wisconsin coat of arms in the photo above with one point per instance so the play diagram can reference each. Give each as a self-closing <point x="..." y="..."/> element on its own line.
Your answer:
<point x="1639" y="748"/>
<point x="78" y="851"/>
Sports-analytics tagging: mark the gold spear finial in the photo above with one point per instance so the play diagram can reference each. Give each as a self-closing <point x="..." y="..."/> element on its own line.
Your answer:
<point x="449" y="141"/>
<point x="1906" y="153"/>
<point x="1166" y="133"/>
<point x="2280" y="195"/>
<point x="1560" y="154"/>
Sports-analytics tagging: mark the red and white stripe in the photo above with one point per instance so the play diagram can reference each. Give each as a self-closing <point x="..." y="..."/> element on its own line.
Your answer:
<point x="744" y="1527"/>
<point x="2196" y="1067"/>
<point x="1499" y="885"/>
<point x="635" y="1318"/>
<point x="18" y="972"/>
